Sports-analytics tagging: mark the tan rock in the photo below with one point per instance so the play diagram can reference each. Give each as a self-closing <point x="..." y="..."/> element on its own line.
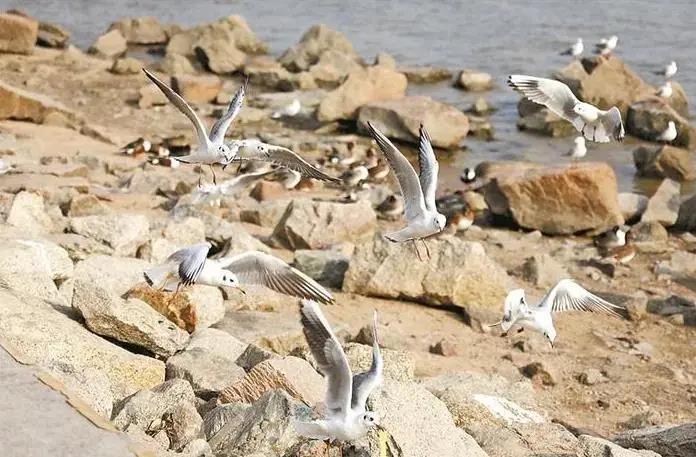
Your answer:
<point x="663" y="206"/>
<point x="126" y="66"/>
<point x="110" y="45"/>
<point x="150" y="95"/>
<point x="85" y="205"/>
<point x="124" y="233"/>
<point x="424" y="75"/>
<point x="664" y="162"/>
<point x="232" y="30"/>
<point x="141" y="30"/>
<point x="266" y="71"/>
<point x="333" y="67"/>
<point x="314" y="42"/>
<point x="23" y="105"/>
<point x="472" y="80"/>
<point x="176" y="64"/>
<point x="29" y="214"/>
<point x="218" y="55"/>
<point x="197" y="89"/>
<point x="17" y="34"/>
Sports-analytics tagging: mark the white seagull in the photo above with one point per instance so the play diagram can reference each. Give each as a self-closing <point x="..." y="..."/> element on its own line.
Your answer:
<point x="665" y="90"/>
<point x="606" y="45"/>
<point x="579" y="149"/>
<point x="669" y="71"/>
<point x="468" y="175"/>
<point x="291" y="110"/>
<point x="567" y="295"/>
<point x="669" y="134"/>
<point x="595" y="124"/>
<point x="347" y="418"/>
<point x="191" y="265"/>
<point x="575" y="50"/>
<point x="213" y="193"/>
<point x="418" y="191"/>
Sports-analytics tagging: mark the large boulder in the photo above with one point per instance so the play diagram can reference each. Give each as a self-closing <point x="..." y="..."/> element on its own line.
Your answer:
<point x="663" y="206"/>
<point x="217" y="55"/>
<point x="197" y="89"/>
<point x="401" y="119"/>
<point x="29" y="214"/>
<point x="648" y="118"/>
<point x="313" y="44"/>
<point x="141" y="30"/>
<point x="537" y="118"/>
<point x="525" y="440"/>
<point x="123" y="233"/>
<point x="309" y="224"/>
<point x="232" y="31"/>
<point x="458" y="273"/>
<point x="664" y="162"/>
<point x="632" y="205"/>
<point x="22" y="105"/>
<point x="686" y="218"/>
<point x="362" y="86"/>
<point x="111" y="44"/>
<point x="17" y="34"/>
<point x="333" y="67"/>
<point x="115" y="274"/>
<point x="267" y="72"/>
<point x="591" y="446"/>
<point x="208" y="372"/>
<point x="326" y="267"/>
<point x="677" y="441"/>
<point x="475" y="81"/>
<point x="558" y="200"/>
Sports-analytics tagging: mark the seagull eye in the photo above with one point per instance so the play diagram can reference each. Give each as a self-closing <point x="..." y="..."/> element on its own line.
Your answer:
<point x="224" y="278"/>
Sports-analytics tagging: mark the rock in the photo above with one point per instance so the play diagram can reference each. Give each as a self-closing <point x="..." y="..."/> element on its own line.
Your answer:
<point x="214" y="420"/>
<point x="541" y="372"/>
<point x="29" y="214"/>
<point x="651" y="231"/>
<point x="459" y="273"/>
<point x="398" y="365"/>
<point x="524" y="440"/>
<point x="647" y="119"/>
<point x="645" y="419"/>
<point x="590" y="446"/>
<point x="481" y="107"/>
<point x="183" y="425"/>
<point x="542" y="270"/>
<point x="537" y="118"/>
<point x="123" y="233"/>
<point x="292" y="374"/>
<point x="232" y="31"/>
<point x="632" y="205"/>
<point x="362" y="86"/>
<point x="218" y="343"/>
<point x="208" y="373"/>
<point x="252" y="356"/>
<point x="444" y="347"/>
<point x="150" y="95"/>
<point x="677" y="441"/>
<point x="309" y="224"/>
<point x="17" y="34"/>
<point x="664" y="162"/>
<point x="591" y="376"/>
<point x="110" y="45"/>
<point x="401" y="119"/>
<point x="197" y="89"/>
<point x="686" y="219"/>
<point x="264" y="429"/>
<point x="52" y="35"/>
<point x="126" y="66"/>
<point x="386" y="60"/>
<point x="326" y="267"/>
<point x="424" y="75"/>
<point x="176" y="64"/>
<point x="266" y="213"/>
<point x="115" y="274"/>
<point x="315" y="41"/>
<point x="557" y="200"/>
<point x="266" y="71"/>
<point x="663" y="206"/>
<point x="218" y="56"/>
<point x="267" y="190"/>
<point x="475" y="81"/>
<point x="48" y="338"/>
<point x="333" y="67"/>
<point x="23" y="105"/>
<point x="141" y="30"/>
<point x="130" y="321"/>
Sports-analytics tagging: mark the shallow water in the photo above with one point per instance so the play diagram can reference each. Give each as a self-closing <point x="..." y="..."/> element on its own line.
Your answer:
<point x="496" y="37"/>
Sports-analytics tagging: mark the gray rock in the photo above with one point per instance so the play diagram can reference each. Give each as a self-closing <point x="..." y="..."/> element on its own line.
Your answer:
<point x="648" y="118"/>
<point x="663" y="206"/>
<point x="632" y="205"/>
<point x="664" y="162"/>
<point x="221" y="415"/>
<point x="115" y="274"/>
<point x="217" y="342"/>
<point x="651" y="231"/>
<point x="326" y="267"/>
<point x="207" y="372"/>
<point x="265" y="213"/>
<point x="590" y="446"/>
<point x="90" y="384"/>
<point x="525" y="440"/>
<point x="543" y="270"/>
<point x="252" y="356"/>
<point x="686" y="219"/>
<point x="183" y="425"/>
<point x="130" y="321"/>
<point x="123" y="233"/>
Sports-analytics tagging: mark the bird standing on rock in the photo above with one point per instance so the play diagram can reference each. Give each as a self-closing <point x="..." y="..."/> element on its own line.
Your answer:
<point x="665" y="90"/>
<point x="669" y="71"/>
<point x="579" y="149"/>
<point x="669" y="134"/>
<point x="575" y="50"/>
<point x="606" y="45"/>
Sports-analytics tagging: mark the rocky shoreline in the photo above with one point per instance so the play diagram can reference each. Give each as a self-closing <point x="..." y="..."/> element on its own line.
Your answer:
<point x="219" y="373"/>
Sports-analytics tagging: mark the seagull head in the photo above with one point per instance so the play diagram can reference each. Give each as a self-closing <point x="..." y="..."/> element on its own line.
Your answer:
<point x="550" y="334"/>
<point x="370" y="420"/>
<point x="228" y="279"/>
<point x="440" y="221"/>
<point x="226" y="155"/>
<point x="515" y="298"/>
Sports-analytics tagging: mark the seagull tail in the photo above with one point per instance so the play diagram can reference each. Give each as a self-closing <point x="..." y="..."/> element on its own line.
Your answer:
<point x="158" y="277"/>
<point x="313" y="430"/>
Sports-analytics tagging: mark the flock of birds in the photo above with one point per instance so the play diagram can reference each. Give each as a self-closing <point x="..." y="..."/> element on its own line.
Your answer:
<point x="347" y="417"/>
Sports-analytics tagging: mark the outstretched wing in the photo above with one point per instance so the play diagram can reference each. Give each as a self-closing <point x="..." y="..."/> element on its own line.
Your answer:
<point x="414" y="201"/>
<point x="365" y="383"/>
<point x="610" y="126"/>
<point x="258" y="268"/>
<point x="553" y="94"/>
<point x="191" y="261"/>
<point x="182" y="106"/>
<point x="217" y="133"/>
<point x="330" y="357"/>
<point x="429" y="169"/>
<point x="568" y="295"/>
<point x="256" y="150"/>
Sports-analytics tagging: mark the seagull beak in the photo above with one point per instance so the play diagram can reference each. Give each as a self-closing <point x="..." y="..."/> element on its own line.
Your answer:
<point x="551" y="343"/>
<point x="224" y="166"/>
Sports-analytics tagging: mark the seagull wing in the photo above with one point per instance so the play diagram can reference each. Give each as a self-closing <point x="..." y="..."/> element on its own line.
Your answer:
<point x="182" y="106"/>
<point x="217" y="133"/>
<point x="330" y="358"/>
<point x="242" y="181"/>
<point x="568" y="295"/>
<point x="258" y="268"/>
<point x="256" y="150"/>
<point x="610" y="126"/>
<point x="365" y="383"/>
<point x="191" y="261"/>
<point x="428" y="169"/>
<point x="553" y="94"/>
<point x="414" y="202"/>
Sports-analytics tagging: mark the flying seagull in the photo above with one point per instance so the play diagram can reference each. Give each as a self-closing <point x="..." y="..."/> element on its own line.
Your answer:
<point x="567" y="295"/>
<point x="213" y="193"/>
<point x="418" y="191"/>
<point x="191" y="266"/>
<point x="595" y="124"/>
<point x="347" y="418"/>
<point x="575" y="50"/>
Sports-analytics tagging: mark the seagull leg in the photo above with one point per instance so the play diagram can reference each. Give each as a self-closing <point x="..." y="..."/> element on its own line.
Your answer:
<point x="427" y="249"/>
<point x="200" y="171"/>
<point x="415" y="246"/>
<point x="212" y="170"/>
<point x="594" y="134"/>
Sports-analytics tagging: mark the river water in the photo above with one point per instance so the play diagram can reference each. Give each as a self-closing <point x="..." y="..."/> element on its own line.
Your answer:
<point x="493" y="36"/>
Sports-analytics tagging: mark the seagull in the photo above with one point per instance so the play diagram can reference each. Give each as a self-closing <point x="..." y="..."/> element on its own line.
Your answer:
<point x="669" y="134"/>
<point x="291" y="110"/>
<point x="616" y="237"/>
<point x="567" y="295"/>
<point x="669" y="70"/>
<point x="347" y="418"/>
<point x="137" y="147"/>
<point x="606" y="45"/>
<point x="211" y="148"/>
<point x="665" y="90"/>
<point x="468" y="175"/>
<point x="418" y="190"/>
<point x="355" y="175"/>
<point x="575" y="50"/>
<point x="595" y="124"/>
<point x="213" y="193"/>
<point x="579" y="150"/>
<point x="191" y="265"/>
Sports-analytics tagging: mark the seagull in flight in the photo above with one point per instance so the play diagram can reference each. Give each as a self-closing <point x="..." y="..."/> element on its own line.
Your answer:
<point x="575" y="50"/>
<point x="422" y="217"/>
<point x="567" y="295"/>
<point x="191" y="265"/>
<point x="595" y="124"/>
<point x="213" y="193"/>
<point x="347" y="418"/>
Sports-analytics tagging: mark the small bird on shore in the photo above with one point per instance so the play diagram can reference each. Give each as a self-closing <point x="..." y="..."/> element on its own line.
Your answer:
<point x="621" y="254"/>
<point x="468" y="175"/>
<point x="290" y="110"/>
<point x="579" y="149"/>
<point x="418" y="191"/>
<point x="213" y="193"/>
<point x="567" y="295"/>
<point x="665" y="90"/>
<point x="575" y="50"/>
<point x="461" y="221"/>
<point x="356" y="174"/>
<point x="669" y="70"/>
<point x="606" y="45"/>
<point x="347" y="418"/>
<point x="137" y="147"/>
<point x="610" y="239"/>
<point x="669" y="134"/>
<point x="595" y="124"/>
<point x="380" y="171"/>
<point x="391" y="207"/>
